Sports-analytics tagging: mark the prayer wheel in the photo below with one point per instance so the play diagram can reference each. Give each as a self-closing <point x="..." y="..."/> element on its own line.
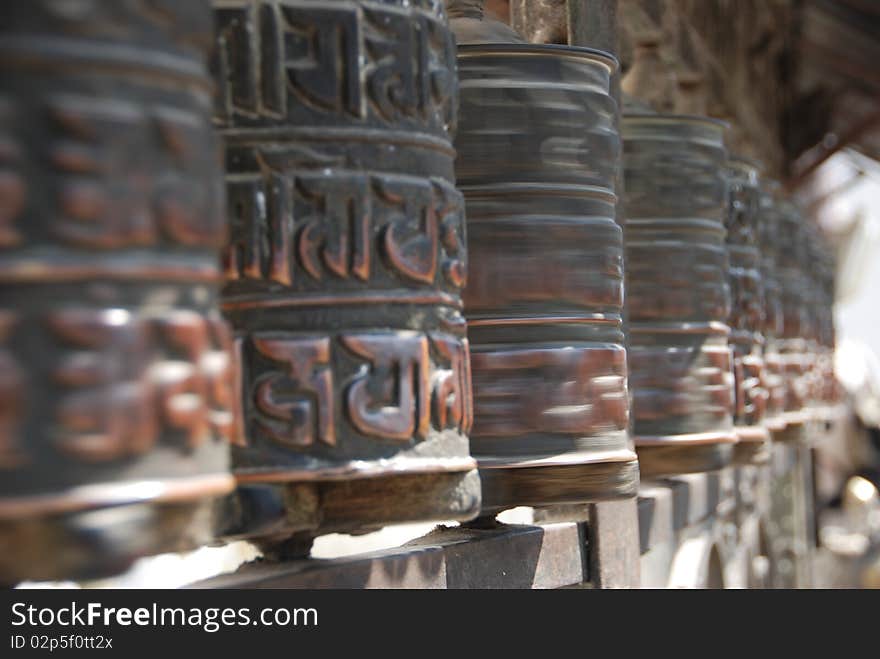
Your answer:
<point x="769" y="227"/>
<point x="117" y="382"/>
<point x="825" y="389"/>
<point x="811" y="267"/>
<point x="792" y="248"/>
<point x="538" y="153"/>
<point x="678" y="295"/>
<point x="830" y="392"/>
<point x="345" y="266"/>
<point x="747" y="310"/>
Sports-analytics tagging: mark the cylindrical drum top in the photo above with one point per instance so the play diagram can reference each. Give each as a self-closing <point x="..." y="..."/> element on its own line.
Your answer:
<point x="538" y="153"/>
<point x="117" y="371"/>
<point x="747" y="307"/>
<point x="677" y="292"/>
<point x="346" y="259"/>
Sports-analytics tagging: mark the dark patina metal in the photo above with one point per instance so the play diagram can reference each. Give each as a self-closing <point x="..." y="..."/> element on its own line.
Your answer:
<point x="538" y="153"/>
<point x="747" y="310"/>
<point x="678" y="295"/>
<point x="117" y="399"/>
<point x="345" y="264"/>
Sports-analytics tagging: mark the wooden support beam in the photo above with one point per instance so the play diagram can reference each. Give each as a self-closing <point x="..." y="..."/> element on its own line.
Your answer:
<point x="504" y="556"/>
<point x="817" y="203"/>
<point x="593" y="23"/>
<point x="860" y="128"/>
<point x="613" y="543"/>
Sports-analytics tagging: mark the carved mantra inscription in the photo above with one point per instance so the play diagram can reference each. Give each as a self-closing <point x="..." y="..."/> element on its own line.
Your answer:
<point x="101" y="194"/>
<point x="305" y="415"/>
<point x="403" y="384"/>
<point x="119" y="175"/>
<point x="339" y="224"/>
<point x="579" y="391"/>
<point x="384" y="62"/>
<point x="128" y="381"/>
<point x="346" y="253"/>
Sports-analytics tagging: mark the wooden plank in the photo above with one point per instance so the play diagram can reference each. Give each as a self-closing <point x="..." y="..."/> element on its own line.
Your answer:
<point x="852" y="135"/>
<point x="655" y="516"/>
<point x="503" y="556"/>
<point x="613" y="542"/>
<point x="422" y="567"/>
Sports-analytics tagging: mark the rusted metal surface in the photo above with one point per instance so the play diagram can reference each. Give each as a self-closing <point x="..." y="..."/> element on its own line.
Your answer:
<point x="346" y="261"/>
<point x="116" y="405"/>
<point x="538" y="154"/>
<point x="678" y="294"/>
<point x="747" y="310"/>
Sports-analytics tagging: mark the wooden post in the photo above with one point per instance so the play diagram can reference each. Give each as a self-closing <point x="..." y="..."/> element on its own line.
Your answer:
<point x="613" y="544"/>
<point x="613" y="531"/>
<point x="593" y="23"/>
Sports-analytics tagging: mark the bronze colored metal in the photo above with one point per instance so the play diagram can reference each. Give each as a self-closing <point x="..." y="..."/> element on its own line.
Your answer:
<point x="345" y="265"/>
<point x="747" y="311"/>
<point x="538" y="153"/>
<point x="678" y="296"/>
<point x="116" y="393"/>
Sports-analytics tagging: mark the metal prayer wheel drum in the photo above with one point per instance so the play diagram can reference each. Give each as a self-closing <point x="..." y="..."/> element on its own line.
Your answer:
<point x="770" y="227"/>
<point x="811" y="267"/>
<point x="747" y="310"/>
<point x="345" y="264"/>
<point x="792" y="251"/>
<point x="538" y="153"/>
<point x="829" y="391"/>
<point x="819" y="268"/>
<point x="117" y="399"/>
<point x="678" y="295"/>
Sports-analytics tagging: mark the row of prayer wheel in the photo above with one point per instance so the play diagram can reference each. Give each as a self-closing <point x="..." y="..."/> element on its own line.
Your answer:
<point x="285" y="268"/>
